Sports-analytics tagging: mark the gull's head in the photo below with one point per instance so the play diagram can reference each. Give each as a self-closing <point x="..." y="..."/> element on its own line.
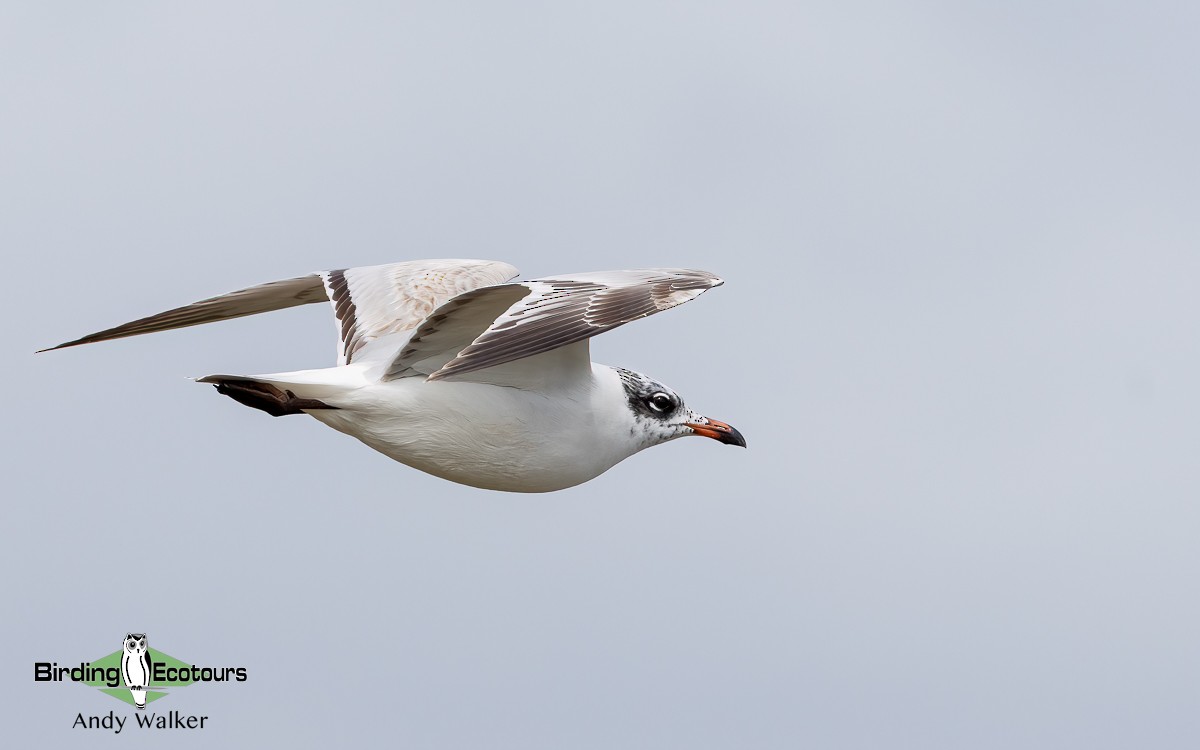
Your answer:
<point x="659" y="414"/>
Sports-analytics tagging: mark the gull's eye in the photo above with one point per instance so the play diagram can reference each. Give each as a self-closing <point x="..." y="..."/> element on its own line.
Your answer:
<point x="660" y="402"/>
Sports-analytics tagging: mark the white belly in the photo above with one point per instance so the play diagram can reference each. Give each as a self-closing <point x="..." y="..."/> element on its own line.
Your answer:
<point x="487" y="436"/>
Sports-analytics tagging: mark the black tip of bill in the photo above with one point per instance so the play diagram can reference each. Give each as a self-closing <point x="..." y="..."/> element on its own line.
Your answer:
<point x="733" y="437"/>
<point x="719" y="431"/>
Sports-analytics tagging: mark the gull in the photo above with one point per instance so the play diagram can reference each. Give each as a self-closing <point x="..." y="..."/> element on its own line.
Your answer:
<point x="452" y="368"/>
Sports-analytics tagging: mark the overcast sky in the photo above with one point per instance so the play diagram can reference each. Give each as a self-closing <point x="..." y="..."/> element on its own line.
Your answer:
<point x="959" y="332"/>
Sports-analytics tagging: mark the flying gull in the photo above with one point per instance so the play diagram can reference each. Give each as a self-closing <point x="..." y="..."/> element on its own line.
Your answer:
<point x="452" y="368"/>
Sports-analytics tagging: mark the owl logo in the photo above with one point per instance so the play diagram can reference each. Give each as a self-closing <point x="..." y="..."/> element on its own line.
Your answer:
<point x="136" y="667"/>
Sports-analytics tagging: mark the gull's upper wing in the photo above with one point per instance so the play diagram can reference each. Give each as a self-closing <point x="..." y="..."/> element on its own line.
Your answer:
<point x="369" y="302"/>
<point x="499" y="324"/>
<point x="376" y="301"/>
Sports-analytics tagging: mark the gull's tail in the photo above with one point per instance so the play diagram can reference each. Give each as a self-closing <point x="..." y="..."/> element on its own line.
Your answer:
<point x="285" y="393"/>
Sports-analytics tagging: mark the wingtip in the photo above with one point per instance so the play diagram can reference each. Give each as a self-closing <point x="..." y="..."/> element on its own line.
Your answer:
<point x="712" y="279"/>
<point x="73" y="342"/>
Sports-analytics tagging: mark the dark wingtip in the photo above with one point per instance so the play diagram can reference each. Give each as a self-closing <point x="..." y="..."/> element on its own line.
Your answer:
<point x="76" y="342"/>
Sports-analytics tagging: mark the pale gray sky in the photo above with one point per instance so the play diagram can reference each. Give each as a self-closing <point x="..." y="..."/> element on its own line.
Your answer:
<point x="959" y="332"/>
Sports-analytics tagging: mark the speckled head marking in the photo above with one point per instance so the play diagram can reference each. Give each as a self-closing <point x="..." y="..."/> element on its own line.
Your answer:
<point x="648" y="398"/>
<point x="659" y="414"/>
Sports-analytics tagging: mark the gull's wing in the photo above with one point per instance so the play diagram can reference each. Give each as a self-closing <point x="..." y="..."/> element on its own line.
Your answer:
<point x="499" y="324"/>
<point x="373" y="302"/>
<point x="369" y="303"/>
<point x="275" y="295"/>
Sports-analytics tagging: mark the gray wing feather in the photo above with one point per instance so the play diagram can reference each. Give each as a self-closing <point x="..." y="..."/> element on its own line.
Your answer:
<point x="539" y="316"/>
<point x="275" y="295"/>
<point x="451" y="327"/>
<point x="375" y="302"/>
